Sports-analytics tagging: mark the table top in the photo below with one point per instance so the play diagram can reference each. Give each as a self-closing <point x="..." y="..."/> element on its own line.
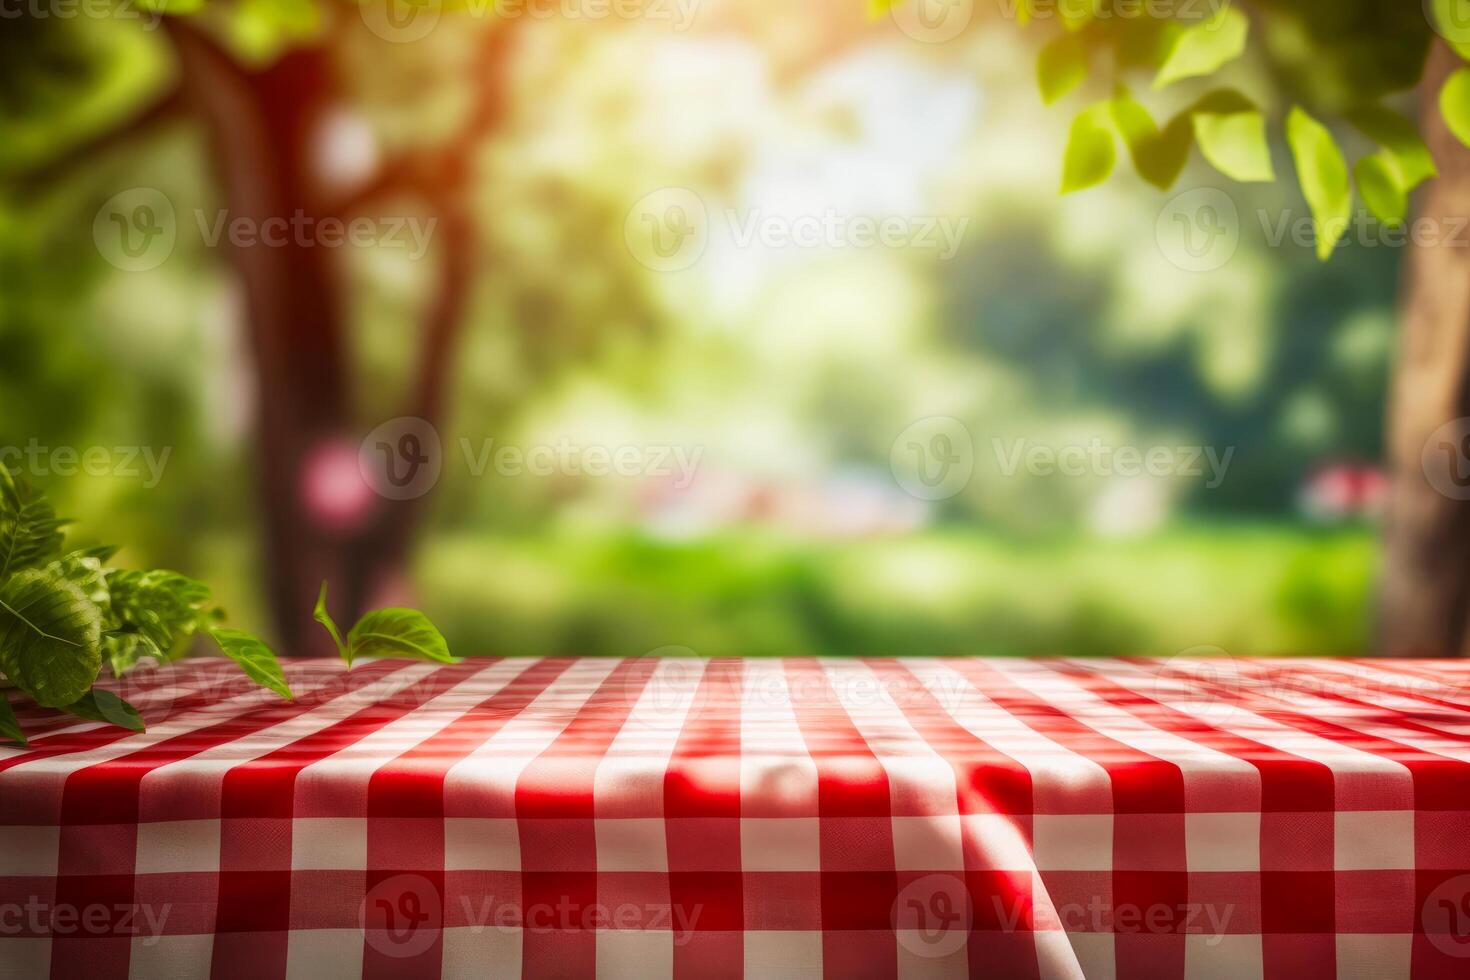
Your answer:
<point x="761" y="817"/>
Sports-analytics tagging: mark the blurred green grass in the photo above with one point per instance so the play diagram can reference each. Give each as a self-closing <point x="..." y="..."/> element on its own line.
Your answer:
<point x="1247" y="588"/>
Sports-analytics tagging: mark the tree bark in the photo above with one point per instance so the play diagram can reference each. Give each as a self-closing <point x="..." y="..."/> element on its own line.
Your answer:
<point x="1425" y="596"/>
<point x="259" y="126"/>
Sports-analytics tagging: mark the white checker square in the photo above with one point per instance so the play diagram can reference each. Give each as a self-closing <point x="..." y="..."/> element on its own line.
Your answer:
<point x="316" y="953"/>
<point x="783" y="955"/>
<point x="329" y="844"/>
<point x="490" y="952"/>
<point x="1222" y="841"/>
<point x="1362" y="956"/>
<point x="1095" y="954"/>
<point x="177" y="846"/>
<point x="1374" y="839"/>
<point x="24" y="959"/>
<point x="928" y="843"/>
<point x="634" y="954"/>
<point x="1211" y="957"/>
<point x="1072" y="842"/>
<point x="998" y="842"/>
<point x="30" y="851"/>
<point x="172" y="957"/>
<point x="631" y="844"/>
<point x="780" y="844"/>
<point x="481" y="844"/>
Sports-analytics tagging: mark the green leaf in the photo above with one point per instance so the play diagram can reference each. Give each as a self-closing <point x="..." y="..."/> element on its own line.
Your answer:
<point x="123" y="650"/>
<point x="1454" y="104"/>
<point x="325" y="618"/>
<point x="1076" y="14"/>
<point x="398" y="633"/>
<point x="104" y="706"/>
<point x="87" y="572"/>
<point x="1158" y="155"/>
<point x="30" y="533"/>
<point x="255" y="658"/>
<point x="1381" y="184"/>
<point x="1235" y="144"/>
<point x="9" y="726"/>
<point x="1451" y="20"/>
<point x="164" y="606"/>
<point x="50" y="637"/>
<point x="1399" y="138"/>
<point x="1089" y="156"/>
<point x="1061" y="66"/>
<point x="1203" y="48"/>
<point x="1323" y="174"/>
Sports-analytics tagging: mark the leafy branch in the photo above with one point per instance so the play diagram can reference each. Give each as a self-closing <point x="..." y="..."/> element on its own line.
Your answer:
<point x="65" y="615"/>
<point x="1106" y="41"/>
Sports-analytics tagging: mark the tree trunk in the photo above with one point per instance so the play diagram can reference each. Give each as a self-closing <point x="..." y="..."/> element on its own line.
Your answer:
<point x="1425" y="602"/>
<point x="260" y="125"/>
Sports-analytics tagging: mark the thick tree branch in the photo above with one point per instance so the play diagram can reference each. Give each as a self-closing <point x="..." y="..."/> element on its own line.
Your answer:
<point x="166" y="108"/>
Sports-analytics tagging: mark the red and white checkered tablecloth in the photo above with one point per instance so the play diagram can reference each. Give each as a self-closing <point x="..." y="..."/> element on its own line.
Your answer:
<point x="768" y="818"/>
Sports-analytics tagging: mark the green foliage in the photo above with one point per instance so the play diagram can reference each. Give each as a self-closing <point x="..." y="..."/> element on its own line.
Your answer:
<point x="1323" y="174"/>
<point x="9" y="726"/>
<point x="1158" y="154"/>
<point x="29" y="530"/>
<point x="386" y="633"/>
<point x="50" y="636"/>
<point x="61" y="616"/>
<point x="253" y="657"/>
<point x="1089" y="155"/>
<point x="1380" y="182"/>
<point x="1205" y="47"/>
<point x="1399" y="139"/>
<point x="1449" y="18"/>
<point x="1232" y="136"/>
<point x="1344" y="57"/>
<point x="1061" y="66"/>
<point x="1454" y="102"/>
<point x="102" y="705"/>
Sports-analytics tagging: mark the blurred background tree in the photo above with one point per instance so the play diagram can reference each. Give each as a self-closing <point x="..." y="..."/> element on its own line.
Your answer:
<point x="792" y="371"/>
